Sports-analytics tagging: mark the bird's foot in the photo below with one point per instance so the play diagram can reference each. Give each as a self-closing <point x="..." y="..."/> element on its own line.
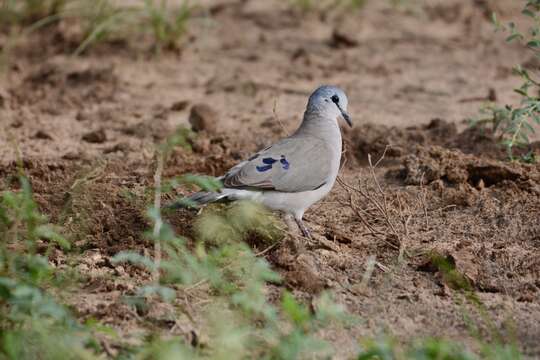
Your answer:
<point x="303" y="228"/>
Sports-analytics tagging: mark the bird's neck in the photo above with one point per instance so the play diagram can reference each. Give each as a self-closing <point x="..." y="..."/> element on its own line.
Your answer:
<point x="325" y="128"/>
<point x="322" y="126"/>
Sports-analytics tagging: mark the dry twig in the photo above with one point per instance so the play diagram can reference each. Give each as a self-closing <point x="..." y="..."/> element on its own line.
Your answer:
<point x="158" y="221"/>
<point x="276" y="117"/>
<point x="380" y="209"/>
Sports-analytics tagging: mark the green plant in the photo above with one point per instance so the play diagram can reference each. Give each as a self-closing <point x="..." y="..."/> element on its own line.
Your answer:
<point x="429" y="349"/>
<point x="514" y="124"/>
<point x="432" y="349"/>
<point x="21" y="17"/>
<point x="321" y="6"/>
<point x="167" y="24"/>
<point x="304" y="5"/>
<point x="106" y="19"/>
<point x="29" y="11"/>
<point x="101" y="21"/>
<point x="31" y="321"/>
<point x="498" y="347"/>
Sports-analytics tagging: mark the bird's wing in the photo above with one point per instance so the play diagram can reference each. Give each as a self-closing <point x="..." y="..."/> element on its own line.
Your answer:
<point x="292" y="165"/>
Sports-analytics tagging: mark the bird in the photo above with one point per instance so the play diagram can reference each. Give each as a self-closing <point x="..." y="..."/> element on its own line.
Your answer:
<point x="295" y="172"/>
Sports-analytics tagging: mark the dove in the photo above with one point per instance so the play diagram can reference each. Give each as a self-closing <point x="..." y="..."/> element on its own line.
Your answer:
<point x="295" y="172"/>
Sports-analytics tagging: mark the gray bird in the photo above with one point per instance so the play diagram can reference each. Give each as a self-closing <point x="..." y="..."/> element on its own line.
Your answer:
<point x="297" y="171"/>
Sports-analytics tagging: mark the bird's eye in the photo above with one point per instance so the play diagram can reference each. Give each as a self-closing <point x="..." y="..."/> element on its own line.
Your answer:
<point x="335" y="99"/>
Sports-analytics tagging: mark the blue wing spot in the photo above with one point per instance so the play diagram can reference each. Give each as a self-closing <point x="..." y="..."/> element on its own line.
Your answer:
<point x="284" y="163"/>
<point x="264" y="168"/>
<point x="269" y="161"/>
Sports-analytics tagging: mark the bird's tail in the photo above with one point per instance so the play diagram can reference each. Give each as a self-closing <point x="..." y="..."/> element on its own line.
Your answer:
<point x="197" y="199"/>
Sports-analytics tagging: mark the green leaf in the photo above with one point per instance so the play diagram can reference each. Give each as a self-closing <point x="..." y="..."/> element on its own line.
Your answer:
<point x="47" y="232"/>
<point x="133" y="258"/>
<point x="521" y="92"/>
<point x="166" y="293"/>
<point x="514" y="37"/>
<point x="206" y="183"/>
<point x="528" y="12"/>
<point x="184" y="203"/>
<point x="533" y="44"/>
<point x="381" y="350"/>
<point x="528" y="128"/>
<point x="495" y="20"/>
<point x="153" y="213"/>
<point x="507" y="143"/>
<point x="6" y="286"/>
<point x="298" y="313"/>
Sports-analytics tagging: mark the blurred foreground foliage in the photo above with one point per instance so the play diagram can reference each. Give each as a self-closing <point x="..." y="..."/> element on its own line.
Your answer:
<point x="433" y="349"/>
<point x="240" y="320"/>
<point x="31" y="321"/>
<point x="326" y="5"/>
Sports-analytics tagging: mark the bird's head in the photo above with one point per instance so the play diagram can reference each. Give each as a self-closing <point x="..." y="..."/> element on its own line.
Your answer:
<point x="330" y="101"/>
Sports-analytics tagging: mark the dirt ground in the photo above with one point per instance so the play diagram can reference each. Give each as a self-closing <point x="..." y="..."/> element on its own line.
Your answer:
<point x="85" y="128"/>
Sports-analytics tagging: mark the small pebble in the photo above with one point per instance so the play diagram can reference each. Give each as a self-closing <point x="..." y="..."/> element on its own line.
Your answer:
<point x="95" y="137"/>
<point x="203" y="117"/>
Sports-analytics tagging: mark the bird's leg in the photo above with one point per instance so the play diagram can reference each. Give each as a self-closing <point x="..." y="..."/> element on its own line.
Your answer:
<point x="303" y="228"/>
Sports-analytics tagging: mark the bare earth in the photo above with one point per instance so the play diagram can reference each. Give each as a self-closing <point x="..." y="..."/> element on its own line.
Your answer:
<point x="86" y="128"/>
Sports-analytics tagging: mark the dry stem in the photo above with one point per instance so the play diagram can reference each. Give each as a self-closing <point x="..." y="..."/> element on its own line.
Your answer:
<point x="379" y="209"/>
<point x="158" y="222"/>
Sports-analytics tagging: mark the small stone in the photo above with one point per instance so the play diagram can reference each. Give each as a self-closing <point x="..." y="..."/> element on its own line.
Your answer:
<point x="456" y="174"/>
<point x="480" y="185"/>
<point x="120" y="147"/>
<point x="120" y="271"/>
<point x="334" y="234"/>
<point x="42" y="135"/>
<point x="438" y="185"/>
<point x="179" y="105"/>
<point x="3" y="98"/>
<point x="201" y="145"/>
<point x="341" y="40"/>
<point x="203" y="117"/>
<point x="16" y="124"/>
<point x="72" y="155"/>
<point x="95" y="137"/>
<point x="82" y="115"/>
<point x="305" y="275"/>
<point x="492" y="95"/>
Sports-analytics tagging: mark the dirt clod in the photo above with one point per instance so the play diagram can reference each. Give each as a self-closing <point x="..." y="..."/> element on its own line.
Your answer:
<point x="340" y="39"/>
<point x="305" y="275"/>
<point x="454" y="167"/>
<point x="203" y="118"/>
<point x="180" y="105"/>
<point x="40" y="134"/>
<point x="95" y="137"/>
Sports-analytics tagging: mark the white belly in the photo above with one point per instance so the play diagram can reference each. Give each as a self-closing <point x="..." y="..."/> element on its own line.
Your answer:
<point x="292" y="203"/>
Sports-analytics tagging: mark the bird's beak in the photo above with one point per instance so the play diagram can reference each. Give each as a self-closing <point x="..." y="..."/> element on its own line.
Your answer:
<point x="346" y="117"/>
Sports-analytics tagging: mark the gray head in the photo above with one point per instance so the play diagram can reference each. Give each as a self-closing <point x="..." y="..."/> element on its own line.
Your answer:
<point x="330" y="101"/>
